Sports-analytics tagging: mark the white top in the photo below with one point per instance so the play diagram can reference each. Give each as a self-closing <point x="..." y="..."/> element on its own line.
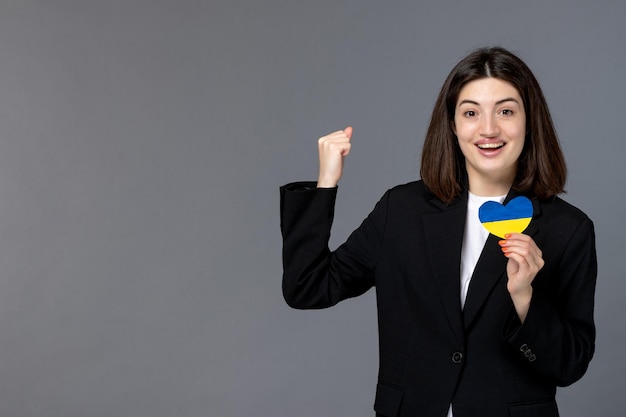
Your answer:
<point x="474" y="239"/>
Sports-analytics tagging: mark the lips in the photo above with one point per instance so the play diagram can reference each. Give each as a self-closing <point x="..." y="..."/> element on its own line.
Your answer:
<point x="490" y="145"/>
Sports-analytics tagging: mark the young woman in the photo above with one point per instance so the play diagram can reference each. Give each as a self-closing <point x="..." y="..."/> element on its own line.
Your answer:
<point x="469" y="324"/>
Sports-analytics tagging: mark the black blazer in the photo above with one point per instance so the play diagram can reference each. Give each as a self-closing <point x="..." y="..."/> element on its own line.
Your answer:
<point x="481" y="359"/>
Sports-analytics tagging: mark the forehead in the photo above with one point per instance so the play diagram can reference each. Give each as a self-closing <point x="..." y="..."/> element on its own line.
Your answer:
<point x="488" y="90"/>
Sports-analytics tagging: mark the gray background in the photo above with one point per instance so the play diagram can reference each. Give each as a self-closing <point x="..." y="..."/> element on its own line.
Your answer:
<point x="142" y="144"/>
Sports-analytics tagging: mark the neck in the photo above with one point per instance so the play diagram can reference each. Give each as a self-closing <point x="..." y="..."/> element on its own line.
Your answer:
<point x="490" y="182"/>
<point x="489" y="187"/>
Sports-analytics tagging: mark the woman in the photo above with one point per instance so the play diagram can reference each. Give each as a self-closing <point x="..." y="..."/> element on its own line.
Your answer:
<point x="469" y="324"/>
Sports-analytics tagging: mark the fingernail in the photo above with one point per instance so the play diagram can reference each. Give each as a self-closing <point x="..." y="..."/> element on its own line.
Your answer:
<point x="502" y="242"/>
<point x="508" y="235"/>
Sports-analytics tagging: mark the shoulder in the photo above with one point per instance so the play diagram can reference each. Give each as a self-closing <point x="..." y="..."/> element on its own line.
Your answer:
<point x="558" y="208"/>
<point x="412" y="196"/>
<point x="410" y="191"/>
<point x="564" y="219"/>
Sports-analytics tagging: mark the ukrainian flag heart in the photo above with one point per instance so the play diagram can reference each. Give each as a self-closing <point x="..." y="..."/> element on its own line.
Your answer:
<point x="512" y="218"/>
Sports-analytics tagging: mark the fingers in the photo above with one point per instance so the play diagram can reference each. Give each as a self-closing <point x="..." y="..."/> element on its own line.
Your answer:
<point x="525" y="261"/>
<point x="336" y="141"/>
<point x="348" y="131"/>
<point x="526" y="268"/>
<point x="524" y="249"/>
<point x="333" y="148"/>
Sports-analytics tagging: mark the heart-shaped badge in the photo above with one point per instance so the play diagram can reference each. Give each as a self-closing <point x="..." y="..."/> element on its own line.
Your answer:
<point x="512" y="218"/>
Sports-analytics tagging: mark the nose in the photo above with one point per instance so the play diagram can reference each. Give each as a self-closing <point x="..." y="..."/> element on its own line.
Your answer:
<point x="489" y="127"/>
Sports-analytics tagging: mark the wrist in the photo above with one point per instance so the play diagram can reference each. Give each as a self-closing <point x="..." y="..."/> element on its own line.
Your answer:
<point x="521" y="302"/>
<point x="326" y="183"/>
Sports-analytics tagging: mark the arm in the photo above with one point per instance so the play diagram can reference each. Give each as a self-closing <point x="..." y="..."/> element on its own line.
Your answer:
<point x="333" y="149"/>
<point x="313" y="276"/>
<point x="557" y="337"/>
<point x="525" y="260"/>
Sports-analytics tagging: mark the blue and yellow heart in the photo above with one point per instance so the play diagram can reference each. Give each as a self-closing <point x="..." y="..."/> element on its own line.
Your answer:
<point x="514" y="217"/>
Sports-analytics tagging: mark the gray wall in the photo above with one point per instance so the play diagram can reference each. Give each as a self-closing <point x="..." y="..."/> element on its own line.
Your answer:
<point x="142" y="144"/>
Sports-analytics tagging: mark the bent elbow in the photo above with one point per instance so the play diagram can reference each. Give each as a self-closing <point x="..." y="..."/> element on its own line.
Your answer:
<point x="304" y="297"/>
<point x="293" y="301"/>
<point x="574" y="373"/>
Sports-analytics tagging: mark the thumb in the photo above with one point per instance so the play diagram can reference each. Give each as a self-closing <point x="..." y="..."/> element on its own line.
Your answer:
<point x="348" y="131"/>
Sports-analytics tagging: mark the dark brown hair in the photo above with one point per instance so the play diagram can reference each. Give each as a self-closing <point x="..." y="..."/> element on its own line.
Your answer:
<point x="541" y="170"/>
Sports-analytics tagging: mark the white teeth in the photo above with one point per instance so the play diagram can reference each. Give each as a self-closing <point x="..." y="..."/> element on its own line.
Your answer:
<point x="490" y="145"/>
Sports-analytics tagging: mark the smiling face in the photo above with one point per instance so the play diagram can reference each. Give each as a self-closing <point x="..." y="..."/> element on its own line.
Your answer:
<point x="490" y="124"/>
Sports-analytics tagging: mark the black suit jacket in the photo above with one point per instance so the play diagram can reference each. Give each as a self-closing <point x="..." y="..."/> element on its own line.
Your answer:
<point x="432" y="353"/>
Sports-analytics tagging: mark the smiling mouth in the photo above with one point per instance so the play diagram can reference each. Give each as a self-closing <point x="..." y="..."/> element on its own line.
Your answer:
<point x="496" y="145"/>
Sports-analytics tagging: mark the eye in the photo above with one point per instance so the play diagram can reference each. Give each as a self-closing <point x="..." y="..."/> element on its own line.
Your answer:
<point x="470" y="113"/>
<point x="506" y="112"/>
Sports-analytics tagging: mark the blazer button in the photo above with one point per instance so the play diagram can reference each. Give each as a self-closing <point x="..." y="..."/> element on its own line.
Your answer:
<point x="457" y="357"/>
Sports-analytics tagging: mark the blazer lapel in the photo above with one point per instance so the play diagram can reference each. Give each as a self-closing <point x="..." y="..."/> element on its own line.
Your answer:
<point x="444" y="236"/>
<point x="490" y="268"/>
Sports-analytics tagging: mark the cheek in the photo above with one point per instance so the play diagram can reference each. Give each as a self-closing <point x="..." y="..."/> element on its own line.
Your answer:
<point x="464" y="146"/>
<point x="520" y="134"/>
<point x="521" y="128"/>
<point x="463" y="134"/>
<point x="464" y="129"/>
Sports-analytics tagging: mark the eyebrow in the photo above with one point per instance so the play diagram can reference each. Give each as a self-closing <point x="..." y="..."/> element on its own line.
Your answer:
<point x="504" y="100"/>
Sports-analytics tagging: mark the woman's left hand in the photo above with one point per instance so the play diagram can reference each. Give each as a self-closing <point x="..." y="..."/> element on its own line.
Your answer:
<point x="525" y="261"/>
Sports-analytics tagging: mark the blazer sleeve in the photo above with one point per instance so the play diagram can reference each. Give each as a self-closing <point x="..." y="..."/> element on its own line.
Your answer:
<point x="313" y="276"/>
<point x="557" y="338"/>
